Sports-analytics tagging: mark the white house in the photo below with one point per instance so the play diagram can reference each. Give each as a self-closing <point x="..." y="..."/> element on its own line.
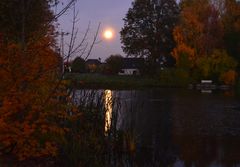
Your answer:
<point x="131" y="66"/>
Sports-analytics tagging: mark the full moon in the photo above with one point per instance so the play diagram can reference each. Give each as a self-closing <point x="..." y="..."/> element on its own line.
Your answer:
<point x="108" y="34"/>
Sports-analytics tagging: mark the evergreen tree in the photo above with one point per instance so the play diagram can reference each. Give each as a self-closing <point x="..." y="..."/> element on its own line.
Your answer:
<point x="148" y="27"/>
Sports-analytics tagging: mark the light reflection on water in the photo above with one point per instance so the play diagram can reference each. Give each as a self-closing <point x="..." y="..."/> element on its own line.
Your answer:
<point x="177" y="128"/>
<point x="108" y="102"/>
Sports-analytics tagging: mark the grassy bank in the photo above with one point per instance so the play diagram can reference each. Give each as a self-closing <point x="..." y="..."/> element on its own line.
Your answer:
<point x="164" y="79"/>
<point x="120" y="82"/>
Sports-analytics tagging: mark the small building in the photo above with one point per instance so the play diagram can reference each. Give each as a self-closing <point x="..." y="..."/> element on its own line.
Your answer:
<point x="92" y="65"/>
<point x="131" y="66"/>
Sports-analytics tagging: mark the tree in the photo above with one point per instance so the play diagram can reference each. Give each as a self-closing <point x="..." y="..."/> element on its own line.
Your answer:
<point x="29" y="114"/>
<point x="148" y="27"/>
<point x="200" y="40"/>
<point x="32" y="110"/>
<point x="21" y="20"/>
<point x="18" y="19"/>
<point x="199" y="31"/>
<point x="217" y="65"/>
<point x="77" y="47"/>
<point x="78" y="65"/>
<point x="114" y="63"/>
<point x="36" y="112"/>
<point x="231" y="21"/>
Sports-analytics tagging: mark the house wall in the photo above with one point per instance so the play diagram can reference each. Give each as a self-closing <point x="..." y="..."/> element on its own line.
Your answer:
<point x="129" y="72"/>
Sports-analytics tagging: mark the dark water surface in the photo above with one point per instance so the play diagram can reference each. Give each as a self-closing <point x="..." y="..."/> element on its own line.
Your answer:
<point x="180" y="128"/>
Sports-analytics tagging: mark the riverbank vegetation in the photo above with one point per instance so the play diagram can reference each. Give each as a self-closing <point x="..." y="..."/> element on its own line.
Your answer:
<point x="167" y="78"/>
<point x="202" y="36"/>
<point x="41" y="124"/>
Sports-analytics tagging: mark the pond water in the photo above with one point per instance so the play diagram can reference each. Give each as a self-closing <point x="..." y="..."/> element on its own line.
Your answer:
<point x="178" y="128"/>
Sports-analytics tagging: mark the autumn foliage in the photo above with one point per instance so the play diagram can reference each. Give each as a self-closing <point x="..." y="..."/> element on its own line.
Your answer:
<point x="229" y="77"/>
<point x="30" y="111"/>
<point x="182" y="49"/>
<point x="204" y="38"/>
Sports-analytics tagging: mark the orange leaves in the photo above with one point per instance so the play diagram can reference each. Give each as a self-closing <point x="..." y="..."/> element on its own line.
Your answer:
<point x="184" y="50"/>
<point x="231" y="16"/>
<point x="199" y="38"/>
<point x="35" y="149"/>
<point x="28" y="121"/>
<point x="187" y="33"/>
<point x="50" y="148"/>
<point x="192" y="23"/>
<point x="181" y="48"/>
<point x="199" y="32"/>
<point x="178" y="35"/>
<point x="229" y="77"/>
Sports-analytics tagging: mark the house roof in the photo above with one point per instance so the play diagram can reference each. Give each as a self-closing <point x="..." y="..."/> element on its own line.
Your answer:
<point x="93" y="61"/>
<point x="132" y="63"/>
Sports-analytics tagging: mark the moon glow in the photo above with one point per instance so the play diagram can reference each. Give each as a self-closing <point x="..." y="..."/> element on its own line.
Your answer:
<point x="108" y="34"/>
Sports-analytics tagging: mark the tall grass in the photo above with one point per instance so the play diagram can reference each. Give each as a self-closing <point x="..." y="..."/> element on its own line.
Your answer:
<point x="84" y="143"/>
<point x="88" y="143"/>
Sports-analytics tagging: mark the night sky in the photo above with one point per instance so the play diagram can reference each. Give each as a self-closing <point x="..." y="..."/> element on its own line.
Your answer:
<point x="107" y="12"/>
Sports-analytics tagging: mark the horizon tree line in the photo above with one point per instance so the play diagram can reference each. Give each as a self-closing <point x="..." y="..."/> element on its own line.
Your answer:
<point x="203" y="35"/>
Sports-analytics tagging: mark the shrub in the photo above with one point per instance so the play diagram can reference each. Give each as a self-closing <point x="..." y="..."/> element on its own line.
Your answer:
<point x="229" y="77"/>
<point x="114" y="63"/>
<point x="217" y="65"/>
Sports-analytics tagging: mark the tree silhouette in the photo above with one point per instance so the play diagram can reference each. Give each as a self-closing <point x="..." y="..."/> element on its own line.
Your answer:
<point x="148" y="27"/>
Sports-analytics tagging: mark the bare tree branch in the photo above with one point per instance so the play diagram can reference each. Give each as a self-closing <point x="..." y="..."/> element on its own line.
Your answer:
<point x="72" y="49"/>
<point x="59" y="14"/>
<point x="94" y="41"/>
<point x="72" y="34"/>
<point x="76" y="50"/>
<point x="84" y="50"/>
